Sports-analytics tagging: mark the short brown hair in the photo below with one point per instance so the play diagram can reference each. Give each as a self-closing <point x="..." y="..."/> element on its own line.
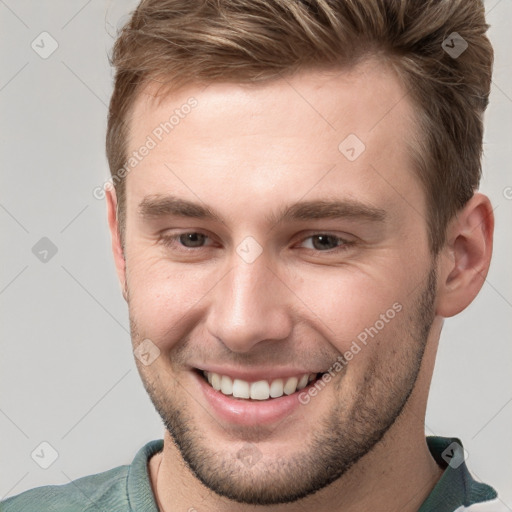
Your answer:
<point x="249" y="41"/>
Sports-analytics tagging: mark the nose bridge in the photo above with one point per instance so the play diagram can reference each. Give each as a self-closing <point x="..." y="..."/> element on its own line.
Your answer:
<point x="249" y="306"/>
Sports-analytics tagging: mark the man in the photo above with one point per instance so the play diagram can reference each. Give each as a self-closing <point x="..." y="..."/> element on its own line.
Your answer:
<point x="294" y="213"/>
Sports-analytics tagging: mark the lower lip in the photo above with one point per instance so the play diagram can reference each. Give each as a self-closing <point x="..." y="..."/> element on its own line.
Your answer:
<point x="249" y="412"/>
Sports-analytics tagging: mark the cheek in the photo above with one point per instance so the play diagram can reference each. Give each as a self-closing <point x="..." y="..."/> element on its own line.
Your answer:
<point x="165" y="298"/>
<point x="349" y="305"/>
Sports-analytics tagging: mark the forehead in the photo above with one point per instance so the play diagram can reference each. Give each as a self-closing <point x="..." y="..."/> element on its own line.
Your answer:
<point x="361" y="96"/>
<point x="277" y="138"/>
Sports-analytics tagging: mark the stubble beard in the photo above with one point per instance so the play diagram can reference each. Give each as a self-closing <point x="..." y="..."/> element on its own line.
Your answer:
<point x="341" y="439"/>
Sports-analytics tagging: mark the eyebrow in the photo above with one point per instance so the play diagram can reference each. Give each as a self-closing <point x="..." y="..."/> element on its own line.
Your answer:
<point x="160" y="206"/>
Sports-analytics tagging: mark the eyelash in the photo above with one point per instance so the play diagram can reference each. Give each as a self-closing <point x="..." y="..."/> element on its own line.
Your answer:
<point x="173" y="240"/>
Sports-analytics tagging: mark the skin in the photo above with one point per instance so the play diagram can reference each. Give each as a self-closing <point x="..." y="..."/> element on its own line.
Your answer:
<point x="247" y="152"/>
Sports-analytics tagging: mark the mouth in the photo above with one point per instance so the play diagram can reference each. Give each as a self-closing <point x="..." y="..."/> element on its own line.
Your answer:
<point x="257" y="401"/>
<point x="260" y="390"/>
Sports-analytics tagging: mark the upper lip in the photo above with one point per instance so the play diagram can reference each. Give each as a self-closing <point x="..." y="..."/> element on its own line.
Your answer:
<point x="256" y="374"/>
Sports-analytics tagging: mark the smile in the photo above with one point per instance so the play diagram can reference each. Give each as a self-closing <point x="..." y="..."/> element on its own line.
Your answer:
<point x="259" y="390"/>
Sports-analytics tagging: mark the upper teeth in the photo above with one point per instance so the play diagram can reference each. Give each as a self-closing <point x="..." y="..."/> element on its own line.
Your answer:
<point x="260" y="390"/>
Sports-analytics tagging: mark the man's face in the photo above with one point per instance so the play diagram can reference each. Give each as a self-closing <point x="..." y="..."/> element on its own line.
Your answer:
<point x="315" y="254"/>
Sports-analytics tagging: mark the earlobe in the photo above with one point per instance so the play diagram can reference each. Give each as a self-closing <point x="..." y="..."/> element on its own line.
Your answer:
<point x="117" y="248"/>
<point x="465" y="259"/>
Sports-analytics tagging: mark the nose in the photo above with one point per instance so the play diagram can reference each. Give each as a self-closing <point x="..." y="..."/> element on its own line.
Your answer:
<point x="250" y="305"/>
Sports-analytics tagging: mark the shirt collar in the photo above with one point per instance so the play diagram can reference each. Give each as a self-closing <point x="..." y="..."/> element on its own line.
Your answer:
<point x="456" y="487"/>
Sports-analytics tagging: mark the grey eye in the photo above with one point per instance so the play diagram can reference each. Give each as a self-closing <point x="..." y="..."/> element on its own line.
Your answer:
<point x="192" y="239"/>
<point x="322" y="242"/>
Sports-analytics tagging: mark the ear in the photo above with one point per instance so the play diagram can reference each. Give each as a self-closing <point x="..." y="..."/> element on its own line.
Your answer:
<point x="117" y="248"/>
<point x="464" y="260"/>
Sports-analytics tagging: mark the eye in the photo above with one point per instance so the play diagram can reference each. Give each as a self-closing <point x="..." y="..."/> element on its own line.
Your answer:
<point x="324" y="242"/>
<point x="187" y="240"/>
<point x="192" y="239"/>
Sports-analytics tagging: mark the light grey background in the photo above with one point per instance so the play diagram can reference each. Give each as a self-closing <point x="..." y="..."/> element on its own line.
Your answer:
<point x="67" y="373"/>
